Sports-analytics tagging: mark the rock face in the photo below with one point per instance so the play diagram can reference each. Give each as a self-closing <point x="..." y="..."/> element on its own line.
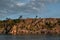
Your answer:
<point x="35" y="26"/>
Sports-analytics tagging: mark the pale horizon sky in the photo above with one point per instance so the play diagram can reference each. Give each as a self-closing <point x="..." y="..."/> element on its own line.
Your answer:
<point x="29" y="8"/>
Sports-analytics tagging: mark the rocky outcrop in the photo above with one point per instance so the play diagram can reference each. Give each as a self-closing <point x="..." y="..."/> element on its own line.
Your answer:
<point x="36" y="26"/>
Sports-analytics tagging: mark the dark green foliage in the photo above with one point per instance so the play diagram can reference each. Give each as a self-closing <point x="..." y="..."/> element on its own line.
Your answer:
<point x="48" y="24"/>
<point x="16" y="20"/>
<point x="58" y="22"/>
<point x="20" y="17"/>
<point x="36" y="16"/>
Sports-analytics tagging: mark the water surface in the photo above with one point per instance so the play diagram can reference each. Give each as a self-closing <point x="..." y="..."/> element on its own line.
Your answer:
<point x="29" y="37"/>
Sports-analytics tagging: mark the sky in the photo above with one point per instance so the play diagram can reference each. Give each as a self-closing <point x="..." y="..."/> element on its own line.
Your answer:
<point x="29" y="8"/>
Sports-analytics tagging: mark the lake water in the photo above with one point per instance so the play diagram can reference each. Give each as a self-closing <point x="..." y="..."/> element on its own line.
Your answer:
<point x="29" y="37"/>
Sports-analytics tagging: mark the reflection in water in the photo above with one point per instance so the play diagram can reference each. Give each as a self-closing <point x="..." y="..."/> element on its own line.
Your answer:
<point x="29" y="37"/>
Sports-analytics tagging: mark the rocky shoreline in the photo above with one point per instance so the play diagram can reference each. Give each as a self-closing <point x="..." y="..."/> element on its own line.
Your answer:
<point x="31" y="26"/>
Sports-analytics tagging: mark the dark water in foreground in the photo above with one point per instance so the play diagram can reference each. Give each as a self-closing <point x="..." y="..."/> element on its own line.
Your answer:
<point x="29" y="37"/>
